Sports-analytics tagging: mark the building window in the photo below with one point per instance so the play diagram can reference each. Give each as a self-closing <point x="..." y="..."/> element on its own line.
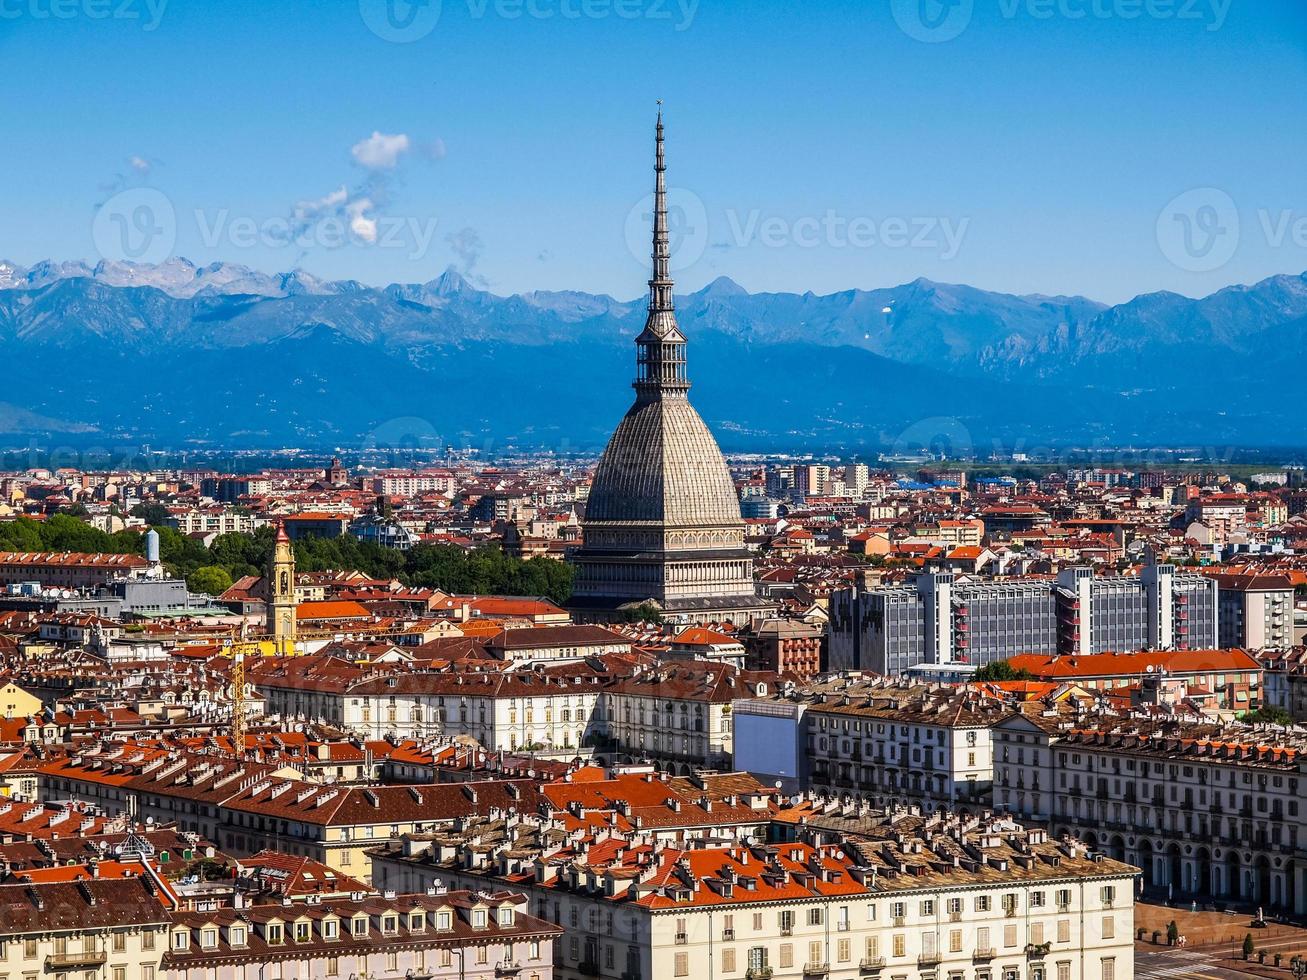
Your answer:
<point x="728" y="961"/>
<point x="681" y="966"/>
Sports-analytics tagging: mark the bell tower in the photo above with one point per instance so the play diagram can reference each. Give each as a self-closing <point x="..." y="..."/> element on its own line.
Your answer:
<point x="281" y="591"/>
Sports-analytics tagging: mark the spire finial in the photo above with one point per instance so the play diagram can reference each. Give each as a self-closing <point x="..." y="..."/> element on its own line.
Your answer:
<point x="660" y="286"/>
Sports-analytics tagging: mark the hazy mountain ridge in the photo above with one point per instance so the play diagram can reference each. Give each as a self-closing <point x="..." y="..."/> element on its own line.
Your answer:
<point x="303" y="348"/>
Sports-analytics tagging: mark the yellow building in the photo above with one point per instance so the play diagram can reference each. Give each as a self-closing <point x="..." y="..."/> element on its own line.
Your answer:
<point x="281" y="591"/>
<point x="17" y="703"/>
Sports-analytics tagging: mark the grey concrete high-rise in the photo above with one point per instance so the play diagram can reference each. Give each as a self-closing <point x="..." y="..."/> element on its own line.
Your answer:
<point x="939" y="621"/>
<point x="662" y="523"/>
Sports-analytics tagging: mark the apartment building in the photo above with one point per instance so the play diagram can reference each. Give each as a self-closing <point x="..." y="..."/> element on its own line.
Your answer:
<point x="868" y="739"/>
<point x="411" y="484"/>
<point x="441" y="934"/>
<point x="107" y="928"/>
<point x="501" y="709"/>
<point x="677" y="714"/>
<point x="215" y="521"/>
<point x="1209" y="813"/>
<point x="68" y="570"/>
<point x="936" y="897"/>
<point x="246" y="808"/>
<point x="1256" y="611"/>
<point x="1232" y="678"/>
<point x="938" y="619"/>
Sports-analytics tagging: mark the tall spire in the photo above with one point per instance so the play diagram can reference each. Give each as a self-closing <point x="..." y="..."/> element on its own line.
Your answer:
<point x="660" y="286"/>
<point x="660" y="358"/>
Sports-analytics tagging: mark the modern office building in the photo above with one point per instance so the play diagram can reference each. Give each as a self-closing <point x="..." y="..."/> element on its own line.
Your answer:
<point x="937" y="620"/>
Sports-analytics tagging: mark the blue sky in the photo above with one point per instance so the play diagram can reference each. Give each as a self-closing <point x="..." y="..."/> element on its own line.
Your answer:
<point x="1101" y="147"/>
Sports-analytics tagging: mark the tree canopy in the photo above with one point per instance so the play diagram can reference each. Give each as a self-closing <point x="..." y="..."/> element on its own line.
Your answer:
<point x="1001" y="670"/>
<point x="486" y="570"/>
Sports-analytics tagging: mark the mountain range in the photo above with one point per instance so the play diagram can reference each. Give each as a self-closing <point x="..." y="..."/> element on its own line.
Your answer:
<point x="222" y="355"/>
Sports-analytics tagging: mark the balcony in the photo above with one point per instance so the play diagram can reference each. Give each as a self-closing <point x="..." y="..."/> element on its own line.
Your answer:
<point x="728" y="935"/>
<point x="898" y="921"/>
<point x="682" y="938"/>
<point x="816" y="969"/>
<point x="928" y="959"/>
<point x="871" y="964"/>
<point x="787" y="930"/>
<point x="955" y="917"/>
<point x="588" y="967"/>
<point x="984" y="954"/>
<point x="1037" y="951"/>
<point x="507" y="969"/>
<point x="68" y="961"/>
<point x="758" y="973"/>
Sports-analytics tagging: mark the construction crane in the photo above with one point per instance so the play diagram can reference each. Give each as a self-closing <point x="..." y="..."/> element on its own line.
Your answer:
<point x="238" y="709"/>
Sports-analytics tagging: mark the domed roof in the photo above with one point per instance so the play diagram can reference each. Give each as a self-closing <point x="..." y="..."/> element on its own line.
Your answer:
<point x="662" y="464"/>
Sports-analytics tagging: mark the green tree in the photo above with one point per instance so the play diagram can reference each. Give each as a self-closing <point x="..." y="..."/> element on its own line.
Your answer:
<point x="1001" y="670"/>
<point x="210" y="579"/>
<point x="1248" y="945"/>
<point x="1172" y="933"/>
<point x="1268" y="715"/>
<point x="23" y="534"/>
<point x="153" y="514"/>
<point x="646" y="612"/>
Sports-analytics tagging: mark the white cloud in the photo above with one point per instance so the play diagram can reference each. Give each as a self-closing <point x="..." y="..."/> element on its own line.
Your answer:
<point x="361" y="224"/>
<point x="380" y="151"/>
<point x="139" y="164"/>
<point x="307" y="212"/>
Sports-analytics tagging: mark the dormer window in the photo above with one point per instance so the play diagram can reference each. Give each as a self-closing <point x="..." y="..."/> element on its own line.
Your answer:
<point x="506" y="915"/>
<point x="478" y="918"/>
<point x="390" y="923"/>
<point x="272" y="933"/>
<point x="303" y="932"/>
<point x="330" y="929"/>
<point x="209" y="937"/>
<point x="181" y="940"/>
<point x="360" y="927"/>
<point x="444" y="920"/>
<point x="237" y="935"/>
<point x="417" y="921"/>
